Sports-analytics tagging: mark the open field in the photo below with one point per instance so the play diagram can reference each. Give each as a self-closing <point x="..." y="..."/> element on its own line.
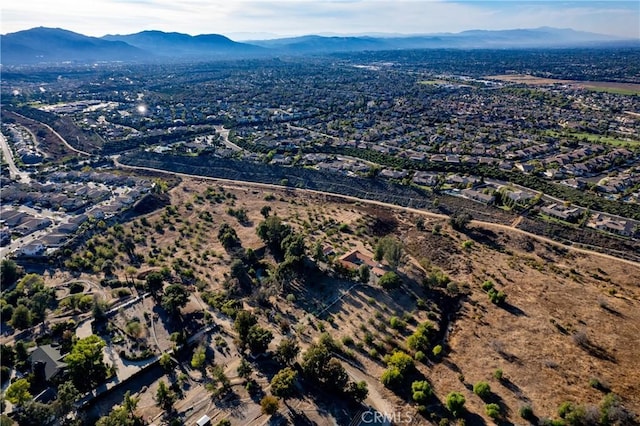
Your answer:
<point x="553" y="294"/>
<point x="598" y="86"/>
<point x="590" y="137"/>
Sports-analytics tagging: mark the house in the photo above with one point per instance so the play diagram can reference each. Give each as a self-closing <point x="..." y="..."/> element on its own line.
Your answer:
<point x="46" y="362"/>
<point x="33" y="249"/>
<point x="524" y="168"/>
<point x="32" y="226"/>
<point x="355" y="258"/>
<point x="562" y="212"/>
<point x="613" y="225"/>
<point x="478" y="196"/>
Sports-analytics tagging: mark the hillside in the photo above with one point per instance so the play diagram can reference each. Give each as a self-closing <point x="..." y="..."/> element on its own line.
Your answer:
<point x="566" y="331"/>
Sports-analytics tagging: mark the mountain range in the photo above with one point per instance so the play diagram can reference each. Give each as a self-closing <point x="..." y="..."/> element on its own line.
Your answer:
<point x="50" y="45"/>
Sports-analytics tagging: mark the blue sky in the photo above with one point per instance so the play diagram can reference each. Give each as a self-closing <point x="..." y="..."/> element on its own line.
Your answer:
<point x="241" y="19"/>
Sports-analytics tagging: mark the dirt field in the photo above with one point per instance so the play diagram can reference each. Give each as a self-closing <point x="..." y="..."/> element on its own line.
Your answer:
<point x="625" y="88"/>
<point x="568" y="318"/>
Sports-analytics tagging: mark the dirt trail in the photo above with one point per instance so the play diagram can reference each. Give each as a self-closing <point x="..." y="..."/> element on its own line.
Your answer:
<point x="382" y="204"/>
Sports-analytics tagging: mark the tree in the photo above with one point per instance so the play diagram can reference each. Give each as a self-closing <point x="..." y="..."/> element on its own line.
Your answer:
<point x="199" y="357"/>
<point x="492" y="410"/>
<point x="269" y="405"/>
<point x="455" y="403"/>
<point x="390" y="249"/>
<point x="165" y="397"/>
<point x="421" y="391"/>
<point x="389" y="280"/>
<point x="85" y="362"/>
<point x="244" y="369"/>
<point x="21" y="317"/>
<point x="282" y="384"/>
<point x="34" y="414"/>
<point x="364" y="273"/>
<point x="403" y="362"/>
<point x="392" y="377"/>
<point x="18" y="392"/>
<point x="108" y="267"/>
<point x="130" y="403"/>
<point x="357" y="391"/>
<point x="265" y="211"/>
<point x="460" y="220"/>
<point x="228" y="237"/>
<point x="174" y="298"/>
<point x="272" y="231"/>
<point x="482" y="389"/>
<point x="287" y="351"/>
<point x="154" y="282"/>
<point x="68" y="394"/>
<point x="258" y="339"/>
<point x="166" y="362"/>
<point x="9" y="272"/>
<point x="243" y="323"/>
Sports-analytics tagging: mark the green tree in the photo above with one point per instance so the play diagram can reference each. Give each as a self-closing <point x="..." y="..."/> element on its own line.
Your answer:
<point x="265" y="211"/>
<point x="244" y="369"/>
<point x="18" y="392"/>
<point x="421" y="391"/>
<point x="357" y="391"/>
<point x="492" y="410"/>
<point x="21" y="317"/>
<point x="9" y="272"/>
<point x="199" y="357"/>
<point x="174" y="298"/>
<point x="482" y="389"/>
<point x="364" y="273"/>
<point x="68" y="394"/>
<point x="390" y="249"/>
<point x="455" y="403"/>
<point x="269" y="405"/>
<point x="228" y="237"/>
<point x="165" y="362"/>
<point x="154" y="282"/>
<point x="273" y="231"/>
<point x="283" y="383"/>
<point x="85" y="362"/>
<point x="403" y="362"/>
<point x="243" y="323"/>
<point x="460" y="220"/>
<point x="130" y="403"/>
<point x="258" y="339"/>
<point x="165" y="397"/>
<point x="287" y="351"/>
<point x="389" y="280"/>
<point x="392" y="377"/>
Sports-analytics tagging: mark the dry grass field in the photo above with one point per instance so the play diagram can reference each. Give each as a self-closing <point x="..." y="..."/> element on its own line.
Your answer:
<point x="570" y="319"/>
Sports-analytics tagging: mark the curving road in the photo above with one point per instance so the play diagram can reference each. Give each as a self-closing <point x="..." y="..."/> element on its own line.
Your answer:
<point x="382" y="204"/>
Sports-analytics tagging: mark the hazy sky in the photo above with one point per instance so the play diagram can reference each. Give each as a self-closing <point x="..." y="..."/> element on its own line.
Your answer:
<point x="295" y="17"/>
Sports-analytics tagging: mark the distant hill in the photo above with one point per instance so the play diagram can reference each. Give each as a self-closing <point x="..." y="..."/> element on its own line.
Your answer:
<point x="57" y="45"/>
<point x="543" y="37"/>
<point x="42" y="45"/>
<point x="177" y="45"/>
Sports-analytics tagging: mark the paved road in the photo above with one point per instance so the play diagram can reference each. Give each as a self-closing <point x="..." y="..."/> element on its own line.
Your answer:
<point x="14" y="172"/>
<point x="63" y="140"/>
<point x="383" y="204"/>
<point x="225" y="138"/>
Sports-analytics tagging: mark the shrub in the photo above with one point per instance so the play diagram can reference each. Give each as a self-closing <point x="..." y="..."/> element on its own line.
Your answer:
<point x="269" y="405"/>
<point x="421" y="391"/>
<point x="455" y="403"/>
<point x="492" y="410"/>
<point x="498" y="374"/>
<point x="482" y="389"/>
<point x="487" y="285"/>
<point x="437" y="350"/>
<point x="396" y="323"/>
<point x="392" y="377"/>
<point x="347" y="340"/>
<point x="419" y="356"/>
<point x="389" y="280"/>
<point x="526" y="412"/>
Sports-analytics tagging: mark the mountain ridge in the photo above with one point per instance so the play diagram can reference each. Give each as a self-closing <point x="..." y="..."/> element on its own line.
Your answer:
<point x="46" y="45"/>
